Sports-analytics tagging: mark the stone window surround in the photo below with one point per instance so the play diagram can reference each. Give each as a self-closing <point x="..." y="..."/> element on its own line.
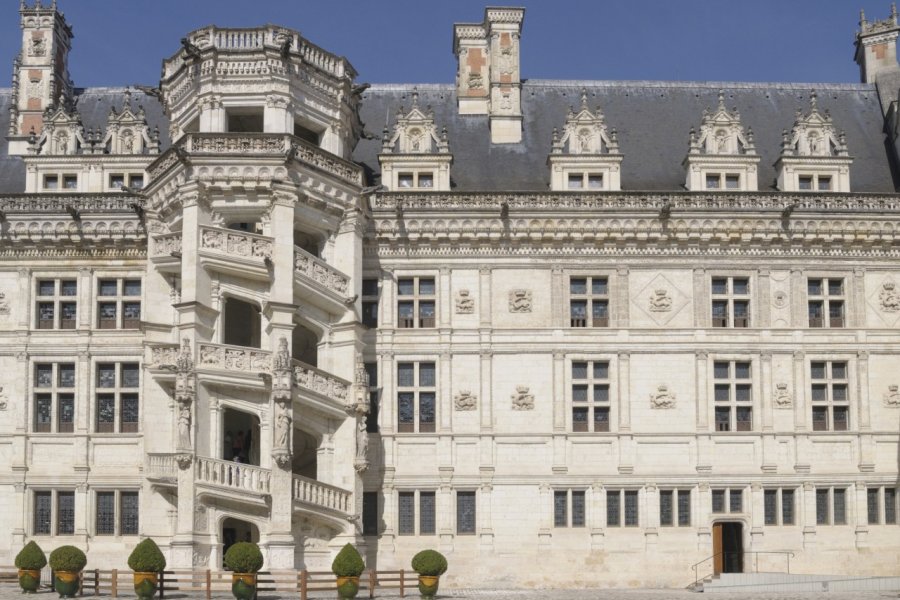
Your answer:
<point x="456" y="525"/>
<point x="417" y="511"/>
<point x="730" y="296"/>
<point x="677" y="516"/>
<point x="733" y="381"/>
<point x="728" y="507"/>
<point x="56" y="299"/>
<point x="830" y="519"/>
<point x="119" y="299"/>
<point x="844" y="297"/>
<point x="589" y="403"/>
<point x="886" y="508"/>
<point x="416" y="298"/>
<point x="416" y="389"/>
<point x="849" y="381"/>
<point x="95" y="391"/>
<point x="129" y="178"/>
<point x="623" y="508"/>
<point x="613" y="404"/>
<point x="779" y="495"/>
<point x="415" y="178"/>
<point x="611" y="276"/>
<point x="54" y="510"/>
<point x="590" y="297"/>
<point x="722" y="179"/>
<point x="62" y="180"/>
<point x="569" y="516"/>
<point x="54" y="390"/>
<point x="94" y="507"/>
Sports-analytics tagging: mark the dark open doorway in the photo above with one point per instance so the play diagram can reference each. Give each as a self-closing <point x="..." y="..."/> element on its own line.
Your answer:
<point x="728" y="547"/>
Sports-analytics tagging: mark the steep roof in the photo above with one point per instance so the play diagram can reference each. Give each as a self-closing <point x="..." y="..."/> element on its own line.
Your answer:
<point x="653" y="120"/>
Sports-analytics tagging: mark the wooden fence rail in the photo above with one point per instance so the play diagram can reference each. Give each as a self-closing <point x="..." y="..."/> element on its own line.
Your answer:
<point x="116" y="582"/>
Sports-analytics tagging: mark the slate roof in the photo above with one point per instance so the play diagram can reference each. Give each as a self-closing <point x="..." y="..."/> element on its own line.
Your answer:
<point x="652" y="119"/>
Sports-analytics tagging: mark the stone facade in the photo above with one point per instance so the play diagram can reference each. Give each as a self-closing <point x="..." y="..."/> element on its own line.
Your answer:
<point x="218" y="323"/>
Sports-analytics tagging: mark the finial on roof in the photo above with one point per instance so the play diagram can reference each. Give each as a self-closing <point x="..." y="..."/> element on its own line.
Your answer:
<point x="862" y="19"/>
<point x="583" y="98"/>
<point x="721" y="99"/>
<point x="53" y="5"/>
<point x="415" y="98"/>
<point x="894" y="12"/>
<point x="813" y="100"/>
<point x="22" y="5"/>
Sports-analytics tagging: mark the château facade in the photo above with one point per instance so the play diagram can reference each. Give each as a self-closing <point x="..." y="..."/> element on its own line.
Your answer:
<point x="565" y="332"/>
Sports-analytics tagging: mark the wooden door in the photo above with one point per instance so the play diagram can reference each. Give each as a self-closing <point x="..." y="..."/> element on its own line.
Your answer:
<point x="718" y="556"/>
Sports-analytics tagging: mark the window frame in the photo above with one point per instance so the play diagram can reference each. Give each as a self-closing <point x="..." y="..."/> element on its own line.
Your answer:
<point x="118" y="511"/>
<point x="677" y="515"/>
<point x="416" y="179"/>
<point x="589" y="298"/>
<point x="417" y="299"/>
<point x="55" y="516"/>
<point x="830" y="519"/>
<point x="119" y="391"/>
<point x="728" y="503"/>
<point x="733" y="383"/>
<point x="829" y="406"/>
<point x="569" y="521"/>
<point x="730" y="299"/>
<point x="58" y="300"/>
<point x="56" y="392"/>
<point x="120" y="300"/>
<point x="825" y="300"/>
<point x="622" y="507"/>
<point x="591" y="384"/>
<point x="417" y="389"/>
<point x="468" y="493"/>
<point x="369" y="301"/>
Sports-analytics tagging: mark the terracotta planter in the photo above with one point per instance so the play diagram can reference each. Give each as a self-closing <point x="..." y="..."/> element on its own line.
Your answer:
<point x="428" y="585"/>
<point x="66" y="583"/>
<point x="29" y="580"/>
<point x="145" y="584"/>
<point x="243" y="585"/>
<point x="347" y="587"/>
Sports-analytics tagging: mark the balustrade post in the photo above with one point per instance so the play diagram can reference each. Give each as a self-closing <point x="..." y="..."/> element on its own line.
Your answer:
<point x="114" y="584"/>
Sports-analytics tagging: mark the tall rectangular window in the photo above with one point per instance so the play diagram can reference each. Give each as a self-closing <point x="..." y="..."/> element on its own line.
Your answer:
<point x="778" y="505"/>
<point x="825" y="301"/>
<point x="729" y="500"/>
<point x="372" y="417"/>
<point x="621" y="508"/>
<point x="129" y="511"/>
<point x="890" y="506"/>
<point x="406" y="521"/>
<point x="873" y="508"/>
<point x="426" y="513"/>
<point x="730" y="302"/>
<point x="43" y="513"/>
<point x="370" y="294"/>
<point x="415" y="302"/>
<point x="831" y="506"/>
<point x="106" y="513"/>
<point x="416" y="397"/>
<point x="57" y="303"/>
<point x="561" y="508"/>
<point x="370" y="513"/>
<point x="116" y="513"/>
<point x="568" y="508"/>
<point x="465" y="512"/>
<point x="830" y="396"/>
<point x="118" y="303"/>
<point x="733" y="398"/>
<point x="65" y="513"/>
<point x="54" y="392"/>
<point x="684" y="507"/>
<point x="590" y="396"/>
<point x="589" y="301"/>
<point x="117" y="385"/>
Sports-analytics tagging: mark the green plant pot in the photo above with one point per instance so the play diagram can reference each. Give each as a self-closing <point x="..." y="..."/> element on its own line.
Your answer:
<point x="66" y="583"/>
<point x="29" y="580"/>
<point x="428" y="585"/>
<point x="347" y="587"/>
<point x="145" y="585"/>
<point x="243" y="585"/>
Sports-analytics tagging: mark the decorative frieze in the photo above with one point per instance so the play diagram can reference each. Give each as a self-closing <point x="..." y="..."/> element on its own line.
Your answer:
<point x="520" y="301"/>
<point x="523" y="399"/>
<point x="663" y="397"/>
<point x="234" y="358"/>
<point x="892" y="396"/>
<point x="320" y="382"/>
<point x="783" y="397"/>
<point x="235" y="243"/>
<point x="465" y="400"/>
<point x="309" y="267"/>
<point x="165" y="245"/>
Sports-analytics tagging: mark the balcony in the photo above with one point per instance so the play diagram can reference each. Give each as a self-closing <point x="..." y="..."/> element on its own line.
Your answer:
<point x="162" y="469"/>
<point x="225" y="474"/>
<point x="326" y="391"/>
<point x="309" y="493"/>
<point x="236" y="252"/>
<point x="165" y="252"/>
<point x="322" y="279"/>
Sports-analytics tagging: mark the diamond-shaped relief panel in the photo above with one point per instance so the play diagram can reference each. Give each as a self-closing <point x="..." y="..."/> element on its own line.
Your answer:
<point x="885" y="300"/>
<point x="661" y="300"/>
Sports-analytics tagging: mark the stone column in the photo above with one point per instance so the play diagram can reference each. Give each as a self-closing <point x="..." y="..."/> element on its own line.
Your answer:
<point x="389" y="511"/>
<point x="862" y="391"/>
<point x="445" y="510"/>
<point x="763" y="298"/>
<point x="799" y="314"/>
<point x="387" y="371"/>
<point x="765" y="393"/>
<point x="445" y="395"/>
<point x="485" y="521"/>
<point x="704" y="516"/>
<point x="19" y="517"/>
<point x="445" y="298"/>
<point x="757" y="516"/>
<point x="545" y="526"/>
<point x="651" y="515"/>
<point x="624" y="387"/>
<point x="485" y="306"/>
<point x="85" y="382"/>
<point x="857" y="296"/>
<point x="559" y="391"/>
<point x="860" y="506"/>
<point x="82" y="512"/>
<point x="85" y="308"/>
<point x="558" y="310"/>
<point x="701" y="299"/>
<point x="808" y="514"/>
<point x="25" y="297"/>
<point x="621" y="310"/>
<point x="801" y="418"/>
<point x="702" y="391"/>
<point x="485" y="406"/>
<point x="596" y="514"/>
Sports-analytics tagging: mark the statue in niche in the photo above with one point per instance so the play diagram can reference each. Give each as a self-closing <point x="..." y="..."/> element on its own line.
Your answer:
<point x="184" y="425"/>
<point x="362" y="439"/>
<point x="282" y="427"/>
<point x="584" y="140"/>
<point x="660" y="301"/>
<point x="662" y="398"/>
<point x="889" y="297"/>
<point x="721" y="143"/>
<point x="783" y="397"/>
<point x="38" y="47"/>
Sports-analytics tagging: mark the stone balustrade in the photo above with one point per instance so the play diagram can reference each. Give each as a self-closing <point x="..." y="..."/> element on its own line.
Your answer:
<point x="318" y="381"/>
<point x="235" y="243"/>
<point x="322" y="495"/>
<point x="308" y="266"/>
<point x="161" y="466"/>
<point x="162" y="355"/>
<point x="234" y="358"/>
<point x="232" y="475"/>
<point x="119" y="202"/>
<point x="165" y="244"/>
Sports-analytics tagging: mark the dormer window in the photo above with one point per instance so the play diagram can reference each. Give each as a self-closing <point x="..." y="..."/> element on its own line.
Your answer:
<point x="51" y="182"/>
<point x="727" y="181"/>
<point x="416" y="180"/>
<point x="712" y="181"/>
<point x="70" y="182"/>
<point x="406" y="180"/>
<point x="581" y="181"/>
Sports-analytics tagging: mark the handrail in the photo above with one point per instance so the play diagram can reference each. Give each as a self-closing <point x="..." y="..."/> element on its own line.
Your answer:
<point x="756" y="553"/>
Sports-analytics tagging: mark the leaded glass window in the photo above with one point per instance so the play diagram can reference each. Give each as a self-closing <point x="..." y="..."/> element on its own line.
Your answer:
<point x="426" y="513"/>
<point x="106" y="513"/>
<point x="406" y="522"/>
<point x="465" y="512"/>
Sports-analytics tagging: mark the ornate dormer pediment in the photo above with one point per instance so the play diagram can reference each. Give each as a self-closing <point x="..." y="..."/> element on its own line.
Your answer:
<point x="414" y="155"/>
<point x="722" y="154"/>
<point x="814" y="155"/>
<point x="127" y="131"/>
<point x="62" y="133"/>
<point x="586" y="154"/>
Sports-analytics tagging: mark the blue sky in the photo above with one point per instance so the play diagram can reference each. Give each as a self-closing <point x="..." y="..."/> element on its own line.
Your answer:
<point x="120" y="42"/>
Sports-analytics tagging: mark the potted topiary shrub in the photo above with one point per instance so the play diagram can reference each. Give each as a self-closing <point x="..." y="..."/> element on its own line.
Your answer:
<point x="30" y="560"/>
<point x="347" y="567"/>
<point x="67" y="563"/>
<point x="430" y="565"/>
<point x="147" y="562"/>
<point x="245" y="560"/>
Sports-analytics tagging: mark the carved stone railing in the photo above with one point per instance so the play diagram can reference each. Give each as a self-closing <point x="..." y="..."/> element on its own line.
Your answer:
<point x="308" y="266"/>
<point x="120" y="202"/>
<point x="165" y="244"/>
<point x="322" y="495"/>
<point x="318" y="381"/>
<point x="162" y="355"/>
<point x="257" y="145"/>
<point x="235" y="243"/>
<point x="161" y="466"/>
<point x="232" y="475"/>
<point x="234" y="358"/>
<point x="651" y="201"/>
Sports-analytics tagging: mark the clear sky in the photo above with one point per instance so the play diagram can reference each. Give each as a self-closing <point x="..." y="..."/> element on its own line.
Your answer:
<point x="119" y="42"/>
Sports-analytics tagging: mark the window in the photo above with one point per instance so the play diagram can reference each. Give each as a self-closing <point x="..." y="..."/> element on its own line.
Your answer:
<point x="732" y="182"/>
<point x="675" y="508"/>
<point x="775" y="498"/>
<point x="415" y="302"/>
<point x="881" y="503"/>
<point x="118" y="385"/>
<point x="421" y="180"/>
<point x="51" y="182"/>
<point x="728" y="500"/>
<point x="370" y="513"/>
<point x="54" y="513"/>
<point x="730" y="302"/>
<point x="116" y="513"/>
<point x="824" y="183"/>
<point x="118" y="303"/>
<point x="590" y="396"/>
<point x="580" y="181"/>
<point x="621" y="508"/>
<point x="568" y="508"/>
<point x="465" y="512"/>
<point x="713" y="181"/>
<point x="830" y="396"/>
<point x="732" y="393"/>
<point x="589" y="301"/>
<point x="808" y="183"/>
<point x="56" y="303"/>
<point x="804" y="183"/>
<point x="370" y="293"/>
<point x="416" y="388"/>
<point x="116" y="181"/>
<point x="372" y="417"/>
<point x="54" y="392"/>
<point x="70" y="182"/>
<point x="406" y="519"/>
<point x="729" y="181"/>
<point x="831" y="506"/>
<point x="825" y="297"/>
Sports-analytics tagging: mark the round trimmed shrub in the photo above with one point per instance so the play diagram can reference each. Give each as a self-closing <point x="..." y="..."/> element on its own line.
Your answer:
<point x="67" y="559"/>
<point x="429" y="562"/>
<point x="31" y="557"/>
<point x="348" y="562"/>
<point x="147" y="558"/>
<point x="244" y="557"/>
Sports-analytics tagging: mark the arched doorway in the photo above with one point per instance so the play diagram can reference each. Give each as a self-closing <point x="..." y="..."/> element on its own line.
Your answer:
<point x="235" y="530"/>
<point x="241" y="436"/>
<point x="306" y="450"/>
<point x="728" y="547"/>
<point x="241" y="326"/>
<point x="305" y="345"/>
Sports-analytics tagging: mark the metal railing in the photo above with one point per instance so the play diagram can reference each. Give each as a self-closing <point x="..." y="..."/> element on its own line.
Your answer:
<point x="740" y="557"/>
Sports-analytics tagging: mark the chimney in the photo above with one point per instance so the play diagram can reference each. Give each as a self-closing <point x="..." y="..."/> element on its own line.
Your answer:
<point x="488" y="80"/>
<point x="876" y="46"/>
